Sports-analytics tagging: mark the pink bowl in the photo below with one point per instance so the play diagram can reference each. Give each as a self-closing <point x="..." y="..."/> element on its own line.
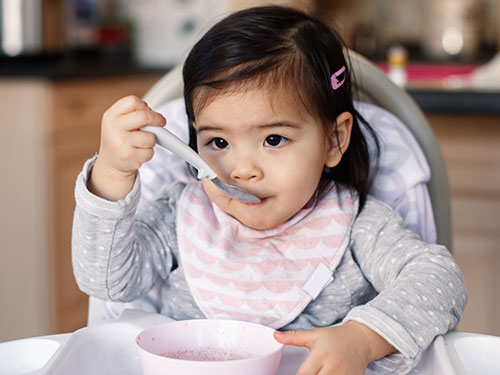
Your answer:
<point x="209" y="347"/>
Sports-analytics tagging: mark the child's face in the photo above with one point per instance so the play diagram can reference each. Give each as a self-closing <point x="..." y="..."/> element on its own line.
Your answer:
<point x="268" y="145"/>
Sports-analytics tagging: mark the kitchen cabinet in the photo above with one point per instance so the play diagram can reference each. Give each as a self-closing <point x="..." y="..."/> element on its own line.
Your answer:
<point x="471" y="149"/>
<point x="49" y="128"/>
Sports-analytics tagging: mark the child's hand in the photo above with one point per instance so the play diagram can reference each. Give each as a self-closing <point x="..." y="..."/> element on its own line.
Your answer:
<point x="124" y="148"/>
<point x="337" y="350"/>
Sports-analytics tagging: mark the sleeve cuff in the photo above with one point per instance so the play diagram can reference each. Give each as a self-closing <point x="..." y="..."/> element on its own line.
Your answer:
<point x="387" y="327"/>
<point x="407" y="353"/>
<point x="101" y="207"/>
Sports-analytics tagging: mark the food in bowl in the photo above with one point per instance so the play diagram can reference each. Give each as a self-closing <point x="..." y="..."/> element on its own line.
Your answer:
<point x="207" y="355"/>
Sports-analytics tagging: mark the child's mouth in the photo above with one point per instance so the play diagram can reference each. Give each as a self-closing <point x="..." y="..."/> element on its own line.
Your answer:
<point x="254" y="204"/>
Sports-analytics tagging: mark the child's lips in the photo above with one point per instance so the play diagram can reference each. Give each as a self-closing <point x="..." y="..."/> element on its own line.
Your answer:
<point x="254" y="204"/>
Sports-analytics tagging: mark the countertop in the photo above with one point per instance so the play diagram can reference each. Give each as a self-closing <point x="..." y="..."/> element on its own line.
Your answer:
<point x="457" y="101"/>
<point x="429" y="84"/>
<point x="71" y="66"/>
<point x="448" y="88"/>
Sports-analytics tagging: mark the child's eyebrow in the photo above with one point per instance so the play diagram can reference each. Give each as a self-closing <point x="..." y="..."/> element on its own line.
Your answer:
<point x="201" y="128"/>
<point x="281" y="124"/>
<point x="273" y="125"/>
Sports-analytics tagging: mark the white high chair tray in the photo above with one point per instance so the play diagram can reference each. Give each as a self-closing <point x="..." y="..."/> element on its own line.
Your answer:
<point x="109" y="348"/>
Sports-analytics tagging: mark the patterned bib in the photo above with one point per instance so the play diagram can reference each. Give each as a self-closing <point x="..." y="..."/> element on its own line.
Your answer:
<point x="262" y="276"/>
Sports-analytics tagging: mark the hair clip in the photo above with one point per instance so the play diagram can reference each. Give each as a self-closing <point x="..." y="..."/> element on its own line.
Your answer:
<point x="335" y="81"/>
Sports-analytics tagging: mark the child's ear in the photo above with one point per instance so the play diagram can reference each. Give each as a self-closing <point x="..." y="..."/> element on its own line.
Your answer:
<point x="339" y="137"/>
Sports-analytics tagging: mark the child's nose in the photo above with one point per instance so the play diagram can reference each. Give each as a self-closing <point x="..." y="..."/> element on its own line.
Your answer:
<point x="245" y="169"/>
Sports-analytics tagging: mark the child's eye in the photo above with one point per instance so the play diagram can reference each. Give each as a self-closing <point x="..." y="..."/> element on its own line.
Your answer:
<point x="275" y="140"/>
<point x="218" y="143"/>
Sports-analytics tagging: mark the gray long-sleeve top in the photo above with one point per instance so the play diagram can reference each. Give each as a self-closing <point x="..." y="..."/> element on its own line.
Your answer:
<point x="406" y="290"/>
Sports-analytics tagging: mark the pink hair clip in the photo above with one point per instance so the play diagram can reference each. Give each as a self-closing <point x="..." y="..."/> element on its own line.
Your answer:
<point x="335" y="81"/>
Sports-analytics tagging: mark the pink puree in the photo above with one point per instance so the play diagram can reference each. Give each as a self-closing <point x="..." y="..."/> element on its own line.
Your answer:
<point x="207" y="355"/>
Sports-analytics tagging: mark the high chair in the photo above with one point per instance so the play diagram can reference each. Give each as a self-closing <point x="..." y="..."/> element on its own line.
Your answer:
<point x="389" y="108"/>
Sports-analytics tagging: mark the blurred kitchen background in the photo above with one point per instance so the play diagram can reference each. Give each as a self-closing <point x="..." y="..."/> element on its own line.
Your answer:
<point x="62" y="63"/>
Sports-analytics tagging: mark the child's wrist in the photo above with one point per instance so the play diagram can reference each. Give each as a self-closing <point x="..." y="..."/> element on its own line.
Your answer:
<point x="372" y="345"/>
<point x="109" y="183"/>
<point x="113" y="174"/>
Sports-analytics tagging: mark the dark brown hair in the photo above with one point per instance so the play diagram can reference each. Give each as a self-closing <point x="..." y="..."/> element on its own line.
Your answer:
<point x="278" y="46"/>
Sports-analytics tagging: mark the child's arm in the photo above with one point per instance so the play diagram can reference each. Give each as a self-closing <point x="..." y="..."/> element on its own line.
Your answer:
<point x="123" y="148"/>
<point x="421" y="291"/>
<point x="116" y="255"/>
<point x="119" y="254"/>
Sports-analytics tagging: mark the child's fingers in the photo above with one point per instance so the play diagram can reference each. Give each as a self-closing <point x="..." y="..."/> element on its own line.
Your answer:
<point x="143" y="139"/>
<point x="144" y="155"/>
<point x="132" y="158"/>
<point x="297" y="338"/>
<point x="125" y="105"/>
<point x="137" y="119"/>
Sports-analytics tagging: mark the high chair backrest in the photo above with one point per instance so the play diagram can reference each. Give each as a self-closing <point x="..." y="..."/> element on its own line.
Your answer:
<point x="374" y="86"/>
<point x="371" y="85"/>
<point x="392" y="110"/>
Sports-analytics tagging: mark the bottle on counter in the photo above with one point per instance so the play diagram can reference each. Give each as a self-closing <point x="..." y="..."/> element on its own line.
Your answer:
<point x="114" y="30"/>
<point x="397" y="59"/>
<point x="81" y="24"/>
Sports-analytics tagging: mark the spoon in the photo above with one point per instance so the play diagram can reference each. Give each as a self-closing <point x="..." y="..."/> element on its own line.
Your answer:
<point x="174" y="144"/>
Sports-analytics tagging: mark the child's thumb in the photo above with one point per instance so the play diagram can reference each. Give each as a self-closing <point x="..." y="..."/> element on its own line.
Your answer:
<point x="296" y="338"/>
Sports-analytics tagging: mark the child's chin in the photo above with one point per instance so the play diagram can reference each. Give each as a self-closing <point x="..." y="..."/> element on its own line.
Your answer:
<point x="257" y="224"/>
<point x="258" y="227"/>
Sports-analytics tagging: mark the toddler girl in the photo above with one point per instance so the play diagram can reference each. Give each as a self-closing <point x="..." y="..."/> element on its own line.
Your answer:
<point x="269" y="104"/>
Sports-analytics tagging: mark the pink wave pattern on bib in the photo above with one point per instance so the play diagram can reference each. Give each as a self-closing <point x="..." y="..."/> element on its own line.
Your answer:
<point x="235" y="272"/>
<point x="255" y="304"/>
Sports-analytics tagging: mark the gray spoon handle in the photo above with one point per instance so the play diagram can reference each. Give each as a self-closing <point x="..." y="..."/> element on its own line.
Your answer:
<point x="174" y="144"/>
